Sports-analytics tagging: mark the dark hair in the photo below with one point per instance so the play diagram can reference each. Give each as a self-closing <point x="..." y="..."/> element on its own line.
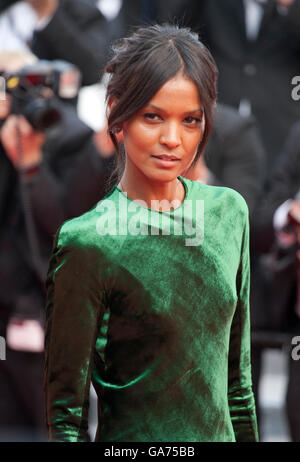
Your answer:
<point x="142" y="63"/>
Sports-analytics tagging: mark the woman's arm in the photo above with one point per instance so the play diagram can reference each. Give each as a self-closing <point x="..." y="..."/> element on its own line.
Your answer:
<point x="240" y="395"/>
<point x="72" y="321"/>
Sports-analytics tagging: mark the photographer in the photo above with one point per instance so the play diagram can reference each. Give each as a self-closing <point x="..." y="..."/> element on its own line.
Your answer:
<point x="36" y="167"/>
<point x="71" y="30"/>
<point x="276" y="231"/>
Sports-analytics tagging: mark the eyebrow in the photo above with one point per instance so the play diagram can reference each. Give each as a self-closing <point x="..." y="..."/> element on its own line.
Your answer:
<point x="187" y="112"/>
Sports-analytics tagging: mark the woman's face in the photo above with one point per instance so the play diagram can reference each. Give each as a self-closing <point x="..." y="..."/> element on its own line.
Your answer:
<point x="161" y="140"/>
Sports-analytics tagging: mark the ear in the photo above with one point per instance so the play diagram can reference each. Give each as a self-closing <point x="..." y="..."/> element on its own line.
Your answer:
<point x="111" y="103"/>
<point x="118" y="130"/>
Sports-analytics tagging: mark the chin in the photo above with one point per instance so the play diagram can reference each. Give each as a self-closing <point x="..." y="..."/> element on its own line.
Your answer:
<point x="163" y="176"/>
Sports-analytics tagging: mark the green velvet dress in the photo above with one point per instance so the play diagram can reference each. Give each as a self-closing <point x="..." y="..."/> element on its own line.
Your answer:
<point x="153" y="308"/>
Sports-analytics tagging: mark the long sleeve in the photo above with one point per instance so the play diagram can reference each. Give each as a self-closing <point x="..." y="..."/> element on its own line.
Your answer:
<point x="114" y="316"/>
<point x="73" y="313"/>
<point x="240" y="395"/>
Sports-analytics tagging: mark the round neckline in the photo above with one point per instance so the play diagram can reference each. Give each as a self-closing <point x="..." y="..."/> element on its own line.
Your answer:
<point x="171" y="211"/>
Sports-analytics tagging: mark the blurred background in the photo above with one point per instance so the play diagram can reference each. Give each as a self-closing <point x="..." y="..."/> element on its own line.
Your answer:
<point x="56" y="162"/>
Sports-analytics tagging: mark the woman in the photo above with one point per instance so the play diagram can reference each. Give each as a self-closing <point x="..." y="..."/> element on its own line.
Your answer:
<point x="140" y="301"/>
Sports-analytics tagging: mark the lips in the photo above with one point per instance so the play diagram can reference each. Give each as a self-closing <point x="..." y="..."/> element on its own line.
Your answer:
<point x="166" y="157"/>
<point x="166" y="161"/>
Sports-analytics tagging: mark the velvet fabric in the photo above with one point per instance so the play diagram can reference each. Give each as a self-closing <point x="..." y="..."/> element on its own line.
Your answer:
<point x="157" y="321"/>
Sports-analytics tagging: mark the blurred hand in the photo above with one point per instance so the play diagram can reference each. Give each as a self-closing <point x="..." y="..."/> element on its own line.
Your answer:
<point x="25" y="335"/>
<point x="44" y="8"/>
<point x="4" y="107"/>
<point x="31" y="142"/>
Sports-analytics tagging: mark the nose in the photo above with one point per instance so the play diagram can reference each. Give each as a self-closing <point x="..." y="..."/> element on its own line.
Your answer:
<point x="170" y="135"/>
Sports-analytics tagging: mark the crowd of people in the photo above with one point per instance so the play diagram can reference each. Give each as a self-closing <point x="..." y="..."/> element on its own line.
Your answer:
<point x="56" y="170"/>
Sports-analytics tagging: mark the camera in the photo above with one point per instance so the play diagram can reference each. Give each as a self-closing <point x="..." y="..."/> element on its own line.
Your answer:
<point x="35" y="88"/>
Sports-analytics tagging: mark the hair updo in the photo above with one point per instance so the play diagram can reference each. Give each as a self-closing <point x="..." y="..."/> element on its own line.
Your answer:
<point x="142" y="63"/>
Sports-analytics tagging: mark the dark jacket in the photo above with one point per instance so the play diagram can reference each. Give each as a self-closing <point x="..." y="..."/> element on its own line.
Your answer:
<point x="279" y="265"/>
<point x="283" y="184"/>
<point x="77" y="33"/>
<point x="260" y="71"/>
<point x="235" y="154"/>
<point x="136" y="13"/>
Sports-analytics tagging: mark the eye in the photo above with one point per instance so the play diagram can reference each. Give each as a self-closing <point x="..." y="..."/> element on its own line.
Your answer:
<point x="152" y="116"/>
<point x="193" y="121"/>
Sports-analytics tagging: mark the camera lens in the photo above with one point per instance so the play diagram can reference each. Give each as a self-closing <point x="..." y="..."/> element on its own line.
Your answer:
<point x="41" y="114"/>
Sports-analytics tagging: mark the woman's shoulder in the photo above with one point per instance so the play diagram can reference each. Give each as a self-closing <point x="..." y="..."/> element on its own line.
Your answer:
<point x="218" y="196"/>
<point x="82" y="230"/>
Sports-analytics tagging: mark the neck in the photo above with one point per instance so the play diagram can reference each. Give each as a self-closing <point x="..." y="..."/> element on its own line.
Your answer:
<point x="158" y="195"/>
